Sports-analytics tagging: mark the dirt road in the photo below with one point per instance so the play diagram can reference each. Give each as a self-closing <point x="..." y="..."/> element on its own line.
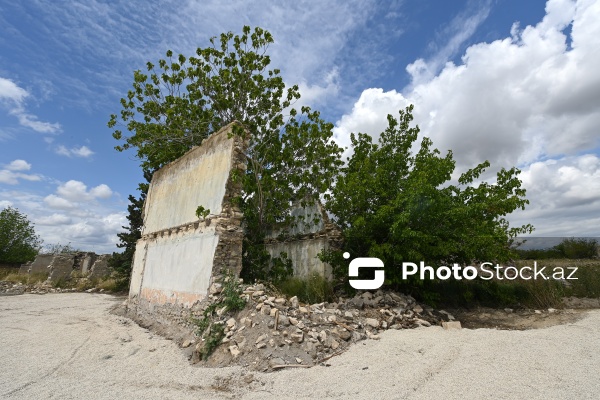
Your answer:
<point x="68" y="346"/>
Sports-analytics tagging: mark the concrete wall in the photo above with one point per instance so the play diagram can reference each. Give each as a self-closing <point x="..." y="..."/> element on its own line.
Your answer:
<point x="178" y="255"/>
<point x="303" y="241"/>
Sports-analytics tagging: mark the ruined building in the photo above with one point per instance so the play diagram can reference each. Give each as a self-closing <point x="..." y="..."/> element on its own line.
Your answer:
<point x="181" y="255"/>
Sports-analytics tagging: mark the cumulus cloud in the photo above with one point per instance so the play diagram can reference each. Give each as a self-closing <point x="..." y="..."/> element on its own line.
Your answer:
<point x="88" y="225"/>
<point x="11" y="174"/>
<point x="82" y="151"/>
<point x="13" y="98"/>
<point x="54" y="219"/>
<point x="530" y="98"/>
<point x="18" y="165"/>
<point x="77" y="191"/>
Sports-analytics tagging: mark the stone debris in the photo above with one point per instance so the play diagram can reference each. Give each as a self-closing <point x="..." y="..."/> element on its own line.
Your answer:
<point x="286" y="333"/>
<point x="451" y="325"/>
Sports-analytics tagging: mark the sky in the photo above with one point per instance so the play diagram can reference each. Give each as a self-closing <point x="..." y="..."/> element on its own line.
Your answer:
<point x="516" y="83"/>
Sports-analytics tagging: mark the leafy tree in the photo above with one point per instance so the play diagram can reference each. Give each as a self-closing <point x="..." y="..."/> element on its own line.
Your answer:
<point x="122" y="263"/>
<point x="575" y="248"/>
<point x="291" y="155"/>
<point x="397" y="205"/>
<point x="18" y="241"/>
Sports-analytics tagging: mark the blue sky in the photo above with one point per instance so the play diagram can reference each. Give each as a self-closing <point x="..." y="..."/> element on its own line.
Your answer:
<point x="517" y="83"/>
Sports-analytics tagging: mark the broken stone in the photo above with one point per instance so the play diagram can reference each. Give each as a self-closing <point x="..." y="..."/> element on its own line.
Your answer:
<point x="448" y="325"/>
<point x="261" y="345"/>
<point x="231" y="323"/>
<point x="418" y="309"/>
<point x="372" y="322"/>
<point x="303" y="310"/>
<point x="262" y="338"/>
<point x="234" y="351"/>
<point x="297" y="337"/>
<point x="215" y="288"/>
<point x="294" y="301"/>
<point x="293" y="321"/>
<point x="265" y="309"/>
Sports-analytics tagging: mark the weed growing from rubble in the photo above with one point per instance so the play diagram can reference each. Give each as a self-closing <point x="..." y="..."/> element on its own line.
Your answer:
<point x="314" y="289"/>
<point x="229" y="301"/>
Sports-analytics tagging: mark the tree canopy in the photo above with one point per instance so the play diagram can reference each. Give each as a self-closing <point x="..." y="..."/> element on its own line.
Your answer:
<point x="182" y="100"/>
<point x="18" y="241"/>
<point x="398" y="205"/>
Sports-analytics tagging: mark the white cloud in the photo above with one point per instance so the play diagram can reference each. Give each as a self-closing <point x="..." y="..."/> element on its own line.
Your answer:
<point x="53" y="201"/>
<point x="77" y="191"/>
<point x="54" y="219"/>
<point x="18" y="165"/>
<point x="82" y="151"/>
<point x="517" y="101"/>
<point x="13" y="97"/>
<point x="10" y="175"/>
<point x="87" y="225"/>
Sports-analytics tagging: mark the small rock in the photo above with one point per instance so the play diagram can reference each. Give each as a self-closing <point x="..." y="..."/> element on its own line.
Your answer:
<point x="303" y="310"/>
<point x="348" y="314"/>
<point x="508" y="310"/>
<point x="297" y="337"/>
<point x="372" y="322"/>
<point x="231" y="323"/>
<point x="294" y="301"/>
<point x="418" y="309"/>
<point x="187" y="344"/>
<point x="448" y="325"/>
<point x="552" y="310"/>
<point x="234" y="351"/>
<point x="265" y="309"/>
<point x="335" y="344"/>
<point x="422" y="322"/>
<point x="261" y="345"/>
<point x="293" y="321"/>
<point x="262" y="338"/>
<point x="215" y="288"/>
<point x="280" y="300"/>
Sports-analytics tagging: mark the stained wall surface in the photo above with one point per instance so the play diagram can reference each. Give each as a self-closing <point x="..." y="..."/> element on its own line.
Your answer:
<point x="178" y="254"/>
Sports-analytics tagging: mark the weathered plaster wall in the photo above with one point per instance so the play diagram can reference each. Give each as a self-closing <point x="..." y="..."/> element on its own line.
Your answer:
<point x="178" y="255"/>
<point x="302" y="242"/>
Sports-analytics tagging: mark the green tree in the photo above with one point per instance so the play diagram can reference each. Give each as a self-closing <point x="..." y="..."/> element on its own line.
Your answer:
<point x="576" y="248"/>
<point x="122" y="262"/>
<point x="291" y="155"/>
<point x="398" y="205"/>
<point x="18" y="241"/>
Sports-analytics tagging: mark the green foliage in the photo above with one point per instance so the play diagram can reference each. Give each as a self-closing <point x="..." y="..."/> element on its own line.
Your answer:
<point x="398" y="205"/>
<point x="122" y="263"/>
<point x="182" y="100"/>
<point x="577" y="248"/>
<point x="314" y="289"/>
<point x="18" y="241"/>
<point x="229" y="298"/>
<point x="572" y="248"/>
<point x="202" y="213"/>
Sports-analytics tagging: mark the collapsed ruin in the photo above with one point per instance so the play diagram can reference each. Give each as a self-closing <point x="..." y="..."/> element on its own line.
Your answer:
<point x="181" y="255"/>
<point x="69" y="265"/>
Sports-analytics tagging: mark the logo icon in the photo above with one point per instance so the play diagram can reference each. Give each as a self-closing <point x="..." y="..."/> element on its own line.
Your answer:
<point x="365" y="262"/>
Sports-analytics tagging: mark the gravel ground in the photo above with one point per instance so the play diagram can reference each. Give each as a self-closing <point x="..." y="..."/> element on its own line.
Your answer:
<point x="68" y="346"/>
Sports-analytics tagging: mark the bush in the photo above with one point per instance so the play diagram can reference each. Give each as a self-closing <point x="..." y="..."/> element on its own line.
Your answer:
<point x="314" y="289"/>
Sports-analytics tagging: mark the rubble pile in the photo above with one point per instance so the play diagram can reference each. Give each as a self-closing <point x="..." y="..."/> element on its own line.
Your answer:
<point x="275" y="332"/>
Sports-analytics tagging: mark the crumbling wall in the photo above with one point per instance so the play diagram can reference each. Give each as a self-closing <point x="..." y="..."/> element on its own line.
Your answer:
<point x="69" y="265"/>
<point x="178" y="256"/>
<point x="303" y="241"/>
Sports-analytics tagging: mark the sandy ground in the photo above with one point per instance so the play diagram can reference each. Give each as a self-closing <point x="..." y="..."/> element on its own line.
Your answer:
<point x="68" y="346"/>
